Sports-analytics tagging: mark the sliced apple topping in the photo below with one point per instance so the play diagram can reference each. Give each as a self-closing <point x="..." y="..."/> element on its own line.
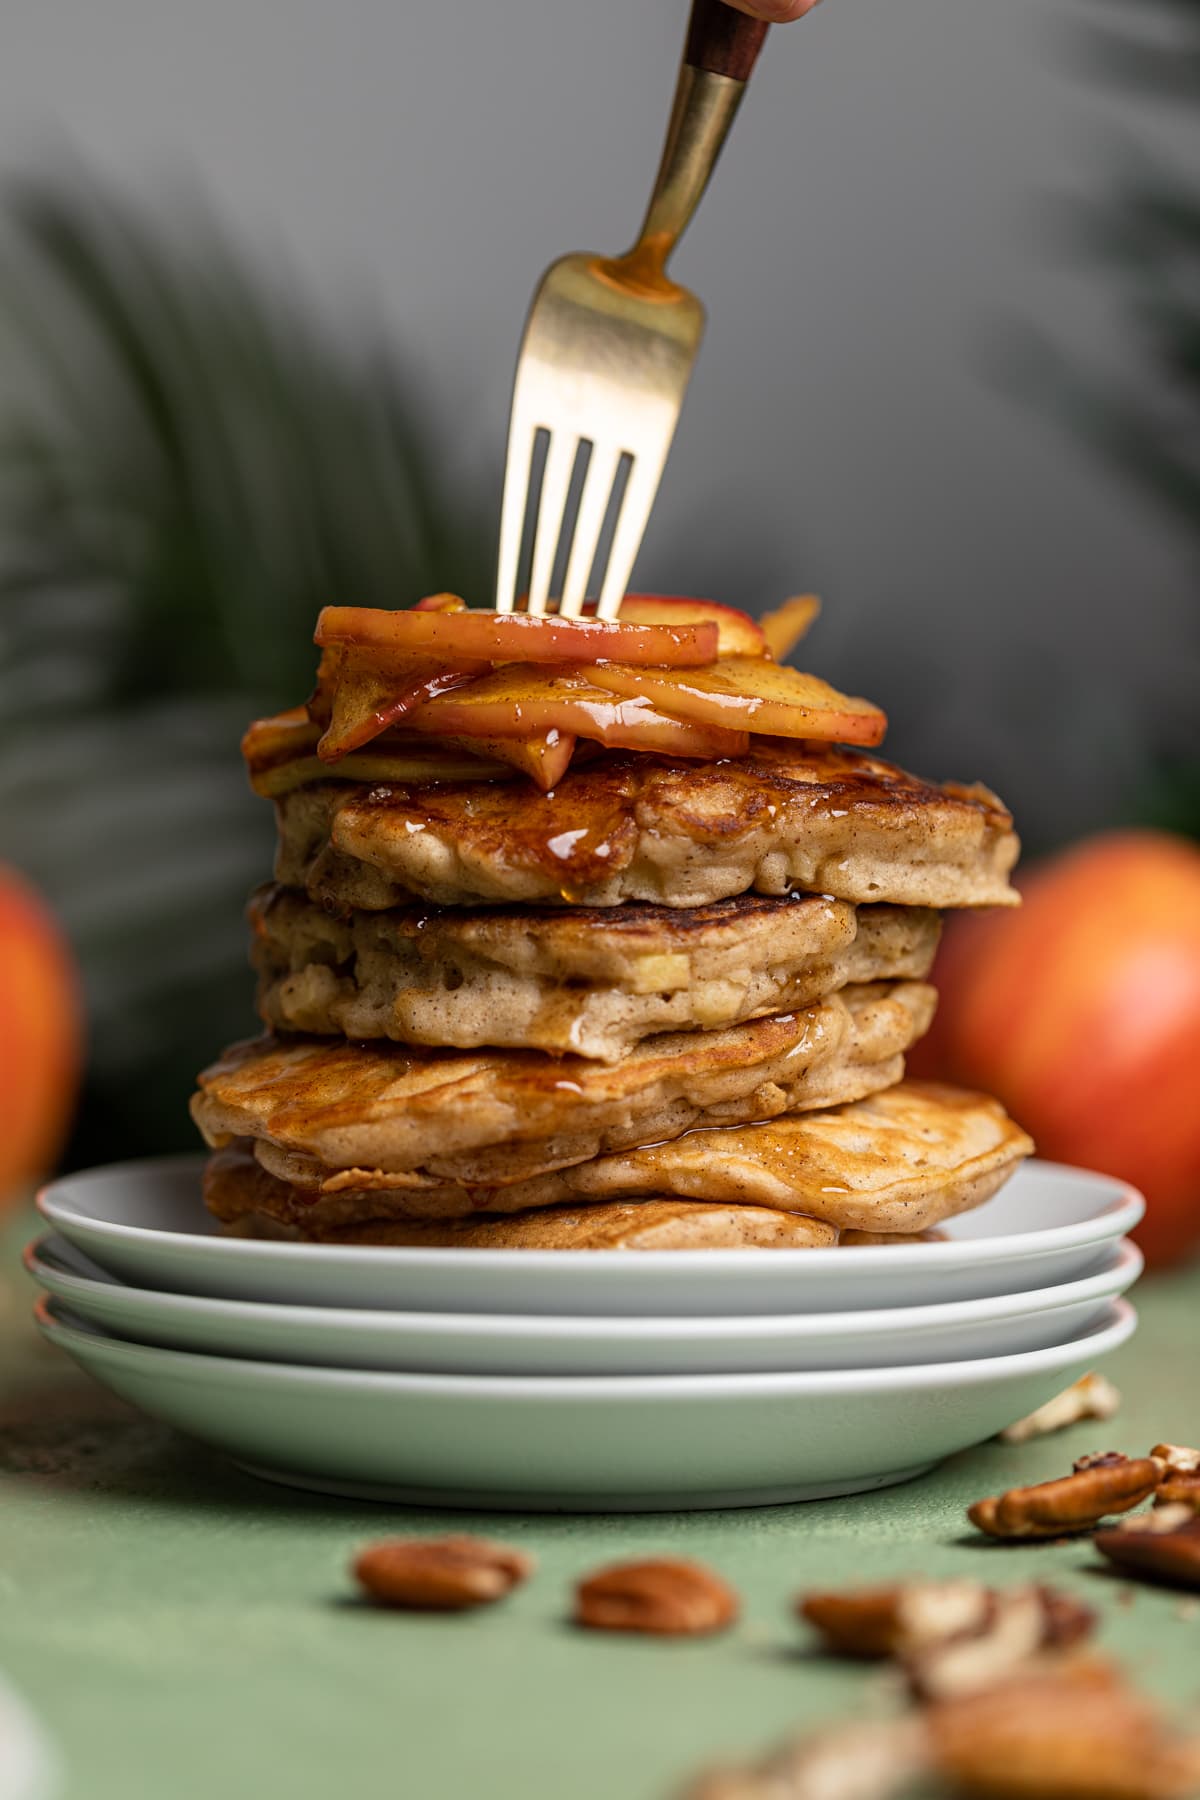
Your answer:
<point x="280" y="738"/>
<point x="784" y="627"/>
<point x="280" y="754"/>
<point x="503" y="691"/>
<point x="545" y="758"/>
<point x="737" y="632"/>
<point x="477" y="636"/>
<point x="524" y="701"/>
<point x="746" y="693"/>
<point x="373" y="693"/>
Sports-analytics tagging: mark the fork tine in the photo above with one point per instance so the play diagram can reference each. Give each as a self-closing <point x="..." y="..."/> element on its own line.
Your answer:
<point x="636" y="503"/>
<point x="517" y="468"/>
<point x="589" y="523"/>
<point x="552" y="504"/>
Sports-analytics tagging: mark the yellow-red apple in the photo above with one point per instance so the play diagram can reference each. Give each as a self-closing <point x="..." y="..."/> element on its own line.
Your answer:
<point x="1081" y="1012"/>
<point x="41" y="1036"/>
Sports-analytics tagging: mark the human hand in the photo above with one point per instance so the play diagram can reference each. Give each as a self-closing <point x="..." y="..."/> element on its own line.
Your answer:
<point x="774" y="12"/>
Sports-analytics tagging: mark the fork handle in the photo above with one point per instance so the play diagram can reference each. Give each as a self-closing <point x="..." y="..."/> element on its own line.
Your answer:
<point x="722" y="41"/>
<point x="719" y="53"/>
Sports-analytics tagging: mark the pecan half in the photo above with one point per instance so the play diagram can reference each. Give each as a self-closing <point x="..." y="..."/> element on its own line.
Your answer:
<point x="1074" y="1734"/>
<point x="667" y="1596"/>
<point x="1091" y="1397"/>
<point x="440" y="1574"/>
<point x="1101" y="1485"/>
<point x="1163" y="1545"/>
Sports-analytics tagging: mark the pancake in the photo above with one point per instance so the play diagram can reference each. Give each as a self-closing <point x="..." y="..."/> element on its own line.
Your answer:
<point x="787" y="815"/>
<point x="434" y="1116"/>
<point x="235" y="1191"/>
<point x="593" y="981"/>
<point x="903" y="1160"/>
<point x="898" y="1164"/>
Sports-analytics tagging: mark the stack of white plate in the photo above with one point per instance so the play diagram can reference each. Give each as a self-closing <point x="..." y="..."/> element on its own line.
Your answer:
<point x="584" y="1380"/>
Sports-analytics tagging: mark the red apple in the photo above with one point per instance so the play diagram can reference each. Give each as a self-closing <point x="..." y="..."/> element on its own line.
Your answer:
<point x="40" y="1037"/>
<point x="1081" y="1012"/>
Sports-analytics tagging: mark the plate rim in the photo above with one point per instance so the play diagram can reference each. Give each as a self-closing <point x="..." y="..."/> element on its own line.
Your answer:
<point x="1116" y="1219"/>
<point x="191" y="1365"/>
<point x="609" y="1327"/>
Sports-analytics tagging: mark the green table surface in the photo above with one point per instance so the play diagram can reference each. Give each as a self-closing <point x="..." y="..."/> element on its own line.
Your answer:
<point x="185" y="1631"/>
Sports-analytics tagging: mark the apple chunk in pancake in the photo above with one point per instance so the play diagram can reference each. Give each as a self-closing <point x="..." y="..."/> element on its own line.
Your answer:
<point x="522" y="700"/>
<point x="751" y="694"/>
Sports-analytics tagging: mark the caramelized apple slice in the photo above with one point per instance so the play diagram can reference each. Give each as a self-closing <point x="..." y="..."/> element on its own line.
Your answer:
<point x="372" y="693"/>
<point x="523" y="701"/>
<point x="750" y="694"/>
<point x="319" y="705"/>
<point x="544" y="759"/>
<point x="441" y="603"/>
<point x="784" y="627"/>
<point x="418" y="767"/>
<point x="477" y="636"/>
<point x="280" y="738"/>
<point x="280" y="754"/>
<point x="737" y="632"/>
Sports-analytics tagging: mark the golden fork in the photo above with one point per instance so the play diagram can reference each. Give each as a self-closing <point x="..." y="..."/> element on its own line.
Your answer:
<point x="609" y="346"/>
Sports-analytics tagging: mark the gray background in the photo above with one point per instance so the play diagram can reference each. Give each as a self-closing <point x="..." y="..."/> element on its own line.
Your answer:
<point x="879" y="225"/>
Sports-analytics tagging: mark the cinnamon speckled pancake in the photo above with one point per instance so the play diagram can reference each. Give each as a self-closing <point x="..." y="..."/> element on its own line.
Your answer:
<point x="593" y="981"/>
<point x="252" y="1202"/>
<point x="788" y="815"/>
<point x="901" y="1161"/>
<point x="418" y="1117"/>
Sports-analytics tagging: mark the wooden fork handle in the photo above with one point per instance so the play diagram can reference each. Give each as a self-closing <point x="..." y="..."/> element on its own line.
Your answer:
<point x="722" y="40"/>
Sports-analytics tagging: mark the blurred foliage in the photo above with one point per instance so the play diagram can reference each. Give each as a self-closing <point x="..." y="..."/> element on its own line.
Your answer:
<point x="1148" y="233"/>
<point x="1145" y="232"/>
<point x="191" y="465"/>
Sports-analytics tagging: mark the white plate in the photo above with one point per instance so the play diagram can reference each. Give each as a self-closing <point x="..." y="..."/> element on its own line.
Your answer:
<point x="583" y="1444"/>
<point x="28" y="1767"/>
<point x="500" y="1344"/>
<point x="144" y="1222"/>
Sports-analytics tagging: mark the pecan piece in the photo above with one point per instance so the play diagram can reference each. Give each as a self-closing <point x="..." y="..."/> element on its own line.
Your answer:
<point x="1180" y="1486"/>
<point x="1091" y="1397"/>
<point x="1022" y="1624"/>
<point x="1073" y="1734"/>
<point x="668" y="1596"/>
<point x="883" y="1621"/>
<point x="1179" y="1458"/>
<point x="1163" y="1545"/>
<point x="1101" y="1485"/>
<point x="1179" y="1490"/>
<point x="440" y="1574"/>
<point x="874" y="1761"/>
<point x="952" y="1636"/>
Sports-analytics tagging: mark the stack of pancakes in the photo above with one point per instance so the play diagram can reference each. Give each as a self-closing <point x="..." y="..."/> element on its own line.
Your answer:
<point x="665" y="1005"/>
